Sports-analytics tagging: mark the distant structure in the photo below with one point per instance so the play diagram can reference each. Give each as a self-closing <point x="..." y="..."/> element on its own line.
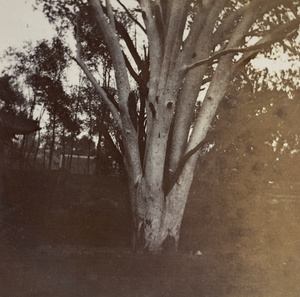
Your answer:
<point x="79" y="164"/>
<point x="12" y="125"/>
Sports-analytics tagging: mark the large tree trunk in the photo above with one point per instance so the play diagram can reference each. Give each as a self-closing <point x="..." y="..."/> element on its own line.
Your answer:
<point x="160" y="153"/>
<point x="156" y="215"/>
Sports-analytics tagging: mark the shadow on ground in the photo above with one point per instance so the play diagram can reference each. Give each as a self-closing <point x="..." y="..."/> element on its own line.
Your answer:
<point x="69" y="236"/>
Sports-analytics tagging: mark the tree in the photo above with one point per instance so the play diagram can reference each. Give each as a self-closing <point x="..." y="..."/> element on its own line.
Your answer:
<point x="40" y="72"/>
<point x="15" y="116"/>
<point x="13" y="121"/>
<point x="263" y="144"/>
<point x="99" y="122"/>
<point x="47" y="84"/>
<point x="11" y="99"/>
<point x="191" y="46"/>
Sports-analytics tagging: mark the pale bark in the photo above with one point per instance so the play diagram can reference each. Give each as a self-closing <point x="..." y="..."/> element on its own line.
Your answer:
<point x="130" y="137"/>
<point x="157" y="218"/>
<point x="159" y="178"/>
<point x="198" y="45"/>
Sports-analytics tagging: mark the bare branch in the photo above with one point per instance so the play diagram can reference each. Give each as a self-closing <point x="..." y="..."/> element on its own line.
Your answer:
<point x="135" y="76"/>
<point x="100" y="90"/>
<point x="292" y="50"/>
<point x="124" y="34"/>
<point x="110" y="15"/>
<point x="256" y="8"/>
<point x="131" y="145"/>
<point x="113" y="45"/>
<point x="77" y="37"/>
<point x="93" y="80"/>
<point x="174" y="177"/>
<point x="131" y="16"/>
<point x="222" y="53"/>
<point x="229" y="23"/>
<point x="276" y="35"/>
<point x="198" y="45"/>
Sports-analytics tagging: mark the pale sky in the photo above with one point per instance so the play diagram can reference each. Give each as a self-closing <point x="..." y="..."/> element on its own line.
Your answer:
<point x="19" y="23"/>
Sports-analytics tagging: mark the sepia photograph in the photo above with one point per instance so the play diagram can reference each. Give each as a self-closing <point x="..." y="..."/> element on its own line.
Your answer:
<point x="149" y="148"/>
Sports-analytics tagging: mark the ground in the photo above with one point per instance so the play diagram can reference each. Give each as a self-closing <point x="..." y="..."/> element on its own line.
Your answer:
<point x="69" y="236"/>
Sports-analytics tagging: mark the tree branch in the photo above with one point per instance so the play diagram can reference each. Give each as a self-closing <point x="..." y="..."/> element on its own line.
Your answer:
<point x="115" y="152"/>
<point x="174" y="177"/>
<point x="279" y="33"/>
<point x="92" y="79"/>
<point x="131" y="17"/>
<point x="135" y="76"/>
<point x="229" y="23"/>
<point x="131" y="148"/>
<point x="100" y="90"/>
<point x="292" y="50"/>
<point x="113" y="45"/>
<point x="110" y="15"/>
<point x="197" y="46"/>
<point x="276" y="35"/>
<point x="124" y="34"/>
<point x="222" y="53"/>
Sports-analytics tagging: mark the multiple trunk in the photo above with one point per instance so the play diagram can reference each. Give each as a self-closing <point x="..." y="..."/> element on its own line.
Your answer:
<point x="161" y="174"/>
<point x="157" y="216"/>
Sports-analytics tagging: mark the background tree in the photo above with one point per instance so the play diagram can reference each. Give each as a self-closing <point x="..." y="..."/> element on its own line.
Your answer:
<point x="47" y="83"/>
<point x="188" y="44"/>
<point x="263" y="141"/>
<point x="11" y="99"/>
<point x="14" y="109"/>
<point x="13" y="121"/>
<point x="43" y="72"/>
<point x="100" y="123"/>
<point x="40" y="72"/>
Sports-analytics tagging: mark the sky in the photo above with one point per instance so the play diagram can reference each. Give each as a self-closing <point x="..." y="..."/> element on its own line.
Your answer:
<point x="19" y="23"/>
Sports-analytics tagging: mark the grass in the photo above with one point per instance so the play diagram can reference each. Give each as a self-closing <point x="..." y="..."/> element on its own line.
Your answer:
<point x="69" y="236"/>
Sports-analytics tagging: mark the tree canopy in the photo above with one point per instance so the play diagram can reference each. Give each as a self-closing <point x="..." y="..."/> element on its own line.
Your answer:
<point x="178" y="58"/>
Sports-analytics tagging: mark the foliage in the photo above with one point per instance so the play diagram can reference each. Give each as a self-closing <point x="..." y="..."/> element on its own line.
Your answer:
<point x="263" y="141"/>
<point x="84" y="146"/>
<point x="11" y="99"/>
<point x="191" y="50"/>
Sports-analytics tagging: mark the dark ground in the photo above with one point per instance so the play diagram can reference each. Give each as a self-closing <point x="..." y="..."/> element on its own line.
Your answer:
<point x="69" y="236"/>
